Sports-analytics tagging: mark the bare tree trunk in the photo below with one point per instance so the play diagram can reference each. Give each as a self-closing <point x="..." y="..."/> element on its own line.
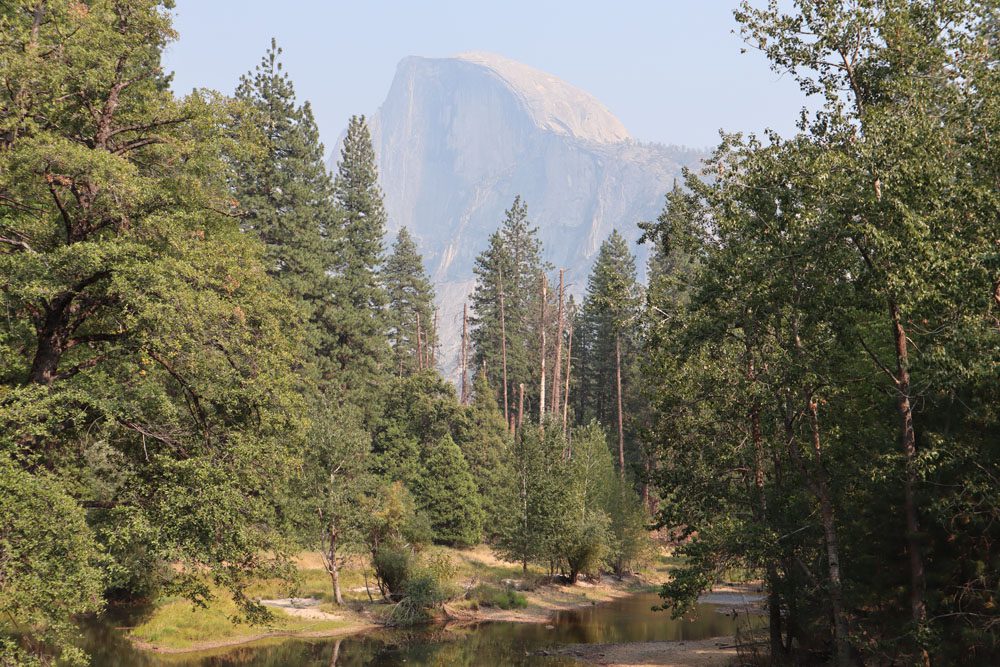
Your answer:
<point x="557" y="366"/>
<point x="569" y="365"/>
<point x="465" y="353"/>
<point x="330" y="559"/>
<point x="541" y="382"/>
<point x="827" y="518"/>
<point x="503" y="353"/>
<point x="520" y="407"/>
<point x="621" y="429"/>
<point x="420" y="346"/>
<point x="434" y="342"/>
<point x="760" y="513"/>
<point x="909" y="442"/>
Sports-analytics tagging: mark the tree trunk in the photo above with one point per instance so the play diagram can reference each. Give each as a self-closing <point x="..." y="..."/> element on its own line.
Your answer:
<point x="541" y="382"/>
<point x="465" y="353"/>
<point x="47" y="353"/>
<point x="433" y="342"/>
<point x="760" y="511"/>
<point x="520" y="406"/>
<point x="828" y="520"/>
<point x="420" y="347"/>
<point x="908" y="439"/>
<point x="569" y="365"/>
<point x="332" y="566"/>
<point x="503" y="354"/>
<point x="621" y="429"/>
<point x="818" y="482"/>
<point x="557" y="366"/>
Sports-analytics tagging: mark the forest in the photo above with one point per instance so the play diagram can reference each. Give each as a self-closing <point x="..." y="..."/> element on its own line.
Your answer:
<point x="212" y="357"/>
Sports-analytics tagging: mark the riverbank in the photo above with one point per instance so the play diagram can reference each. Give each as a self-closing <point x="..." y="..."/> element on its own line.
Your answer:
<point x="730" y="599"/>
<point x="305" y="610"/>
<point x="716" y="652"/>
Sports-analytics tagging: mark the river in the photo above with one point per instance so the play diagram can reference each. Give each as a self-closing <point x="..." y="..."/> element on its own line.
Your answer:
<point x="515" y="644"/>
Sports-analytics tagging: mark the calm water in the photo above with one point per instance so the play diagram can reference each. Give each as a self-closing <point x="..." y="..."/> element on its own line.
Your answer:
<point x="629" y="619"/>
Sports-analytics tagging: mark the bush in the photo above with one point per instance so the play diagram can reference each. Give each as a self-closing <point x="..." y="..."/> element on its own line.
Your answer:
<point x="586" y="544"/>
<point x="422" y="592"/>
<point x="485" y="595"/>
<point x="630" y="544"/>
<point x="395" y="520"/>
<point x="393" y="568"/>
<point x="49" y="568"/>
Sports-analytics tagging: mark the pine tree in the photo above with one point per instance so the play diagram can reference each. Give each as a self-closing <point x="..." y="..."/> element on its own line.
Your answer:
<point x="448" y="495"/>
<point x="512" y="262"/>
<point x="361" y="350"/>
<point x="417" y="410"/>
<point x="609" y="320"/>
<point x="287" y="196"/>
<point x="485" y="442"/>
<point x="284" y="190"/>
<point x="536" y="499"/>
<point x="411" y="307"/>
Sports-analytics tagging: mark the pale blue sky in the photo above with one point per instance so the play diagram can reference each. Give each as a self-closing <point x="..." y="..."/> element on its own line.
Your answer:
<point x="671" y="70"/>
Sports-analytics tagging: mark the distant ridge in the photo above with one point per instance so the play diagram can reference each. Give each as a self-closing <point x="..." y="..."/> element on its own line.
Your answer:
<point x="553" y="104"/>
<point x="457" y="138"/>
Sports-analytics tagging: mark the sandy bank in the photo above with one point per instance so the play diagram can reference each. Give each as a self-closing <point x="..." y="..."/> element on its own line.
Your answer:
<point x="716" y="652"/>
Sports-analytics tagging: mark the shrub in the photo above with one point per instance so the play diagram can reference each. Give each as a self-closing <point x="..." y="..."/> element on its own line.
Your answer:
<point x="421" y="593"/>
<point x="586" y="544"/>
<point x="393" y="568"/>
<point x="485" y="595"/>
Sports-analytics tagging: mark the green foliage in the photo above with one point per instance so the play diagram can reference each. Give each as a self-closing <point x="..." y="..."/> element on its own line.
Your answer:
<point x="484" y="442"/>
<point x="612" y="520"/>
<point x="419" y="410"/>
<point x="411" y="307"/>
<point x="393" y="568"/>
<point x="584" y="544"/>
<point x="285" y="196"/>
<point x="629" y="543"/>
<point x="486" y="595"/>
<point x="447" y="494"/>
<point x="537" y="499"/>
<point x="49" y="567"/>
<point x="607" y="329"/>
<point x="358" y="315"/>
<point x="512" y="266"/>
<point x="820" y="355"/>
<point x="146" y="351"/>
<point x="394" y="520"/>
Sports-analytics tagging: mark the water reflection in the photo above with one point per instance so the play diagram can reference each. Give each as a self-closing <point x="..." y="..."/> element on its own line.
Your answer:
<point x="630" y="619"/>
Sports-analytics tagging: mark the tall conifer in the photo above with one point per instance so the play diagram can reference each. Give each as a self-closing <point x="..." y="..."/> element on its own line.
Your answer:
<point x="607" y="340"/>
<point x="411" y="306"/>
<point x="286" y="195"/>
<point x="362" y="349"/>
<point x="513" y="260"/>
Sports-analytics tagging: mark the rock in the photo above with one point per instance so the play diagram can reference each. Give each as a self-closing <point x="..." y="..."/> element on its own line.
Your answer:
<point x="457" y="138"/>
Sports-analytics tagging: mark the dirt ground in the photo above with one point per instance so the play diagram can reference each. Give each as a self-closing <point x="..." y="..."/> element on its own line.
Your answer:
<point x="715" y="652"/>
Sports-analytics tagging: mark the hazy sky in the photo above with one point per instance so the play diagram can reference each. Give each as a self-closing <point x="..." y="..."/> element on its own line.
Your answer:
<point x="671" y="70"/>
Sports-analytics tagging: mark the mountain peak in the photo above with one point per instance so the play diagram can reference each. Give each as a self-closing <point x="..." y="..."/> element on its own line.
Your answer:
<point x="458" y="138"/>
<point x="553" y="104"/>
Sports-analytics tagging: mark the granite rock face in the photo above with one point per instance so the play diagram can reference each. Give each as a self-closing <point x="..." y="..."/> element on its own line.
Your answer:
<point x="457" y="138"/>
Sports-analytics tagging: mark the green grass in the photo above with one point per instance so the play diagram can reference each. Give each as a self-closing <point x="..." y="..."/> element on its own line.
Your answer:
<point x="485" y="595"/>
<point x="177" y="624"/>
